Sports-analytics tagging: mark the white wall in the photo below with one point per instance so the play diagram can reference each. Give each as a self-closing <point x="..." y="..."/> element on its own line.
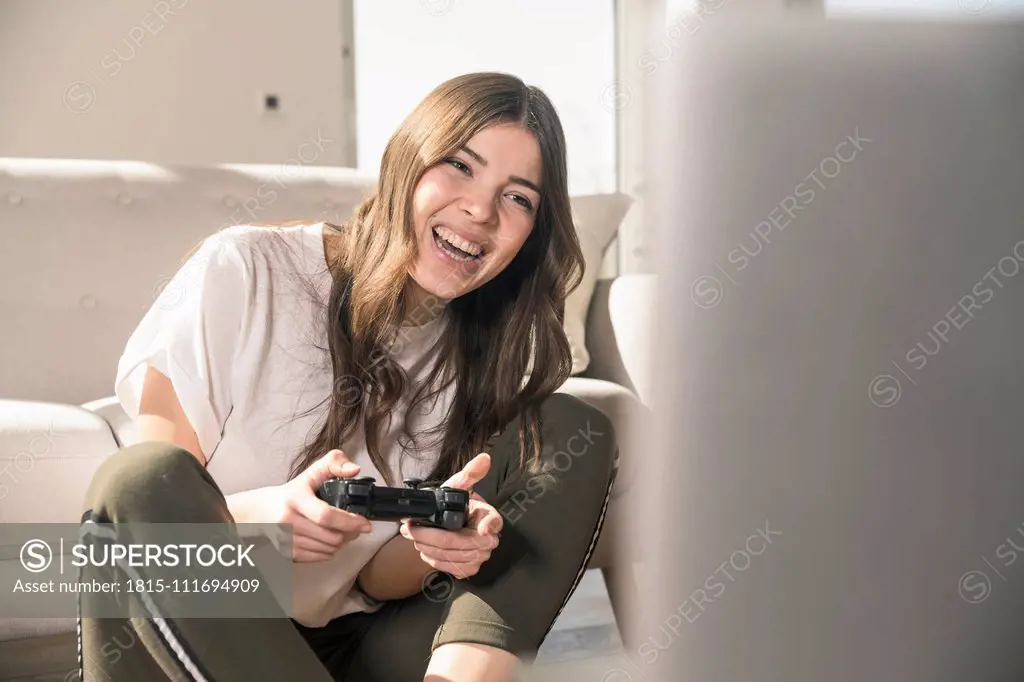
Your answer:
<point x="404" y="48"/>
<point x="174" y="81"/>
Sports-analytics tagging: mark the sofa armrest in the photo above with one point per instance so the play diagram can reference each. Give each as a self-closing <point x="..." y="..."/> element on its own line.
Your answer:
<point x="48" y="455"/>
<point x="620" y="332"/>
<point x="120" y="423"/>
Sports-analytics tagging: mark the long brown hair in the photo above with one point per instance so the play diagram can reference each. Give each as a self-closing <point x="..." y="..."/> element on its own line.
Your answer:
<point x="504" y="345"/>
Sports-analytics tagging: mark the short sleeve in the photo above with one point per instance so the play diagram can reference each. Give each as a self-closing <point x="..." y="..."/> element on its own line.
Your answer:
<point x="191" y="335"/>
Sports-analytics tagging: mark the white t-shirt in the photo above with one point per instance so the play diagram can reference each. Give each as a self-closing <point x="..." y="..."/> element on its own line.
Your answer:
<point x="243" y="339"/>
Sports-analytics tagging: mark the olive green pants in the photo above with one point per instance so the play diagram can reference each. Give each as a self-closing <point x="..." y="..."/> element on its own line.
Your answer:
<point x="552" y="521"/>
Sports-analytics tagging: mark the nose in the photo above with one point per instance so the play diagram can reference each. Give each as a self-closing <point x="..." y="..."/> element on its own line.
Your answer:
<point x="478" y="206"/>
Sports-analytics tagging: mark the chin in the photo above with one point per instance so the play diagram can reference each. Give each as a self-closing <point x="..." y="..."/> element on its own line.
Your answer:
<point x="429" y="284"/>
<point x="447" y="290"/>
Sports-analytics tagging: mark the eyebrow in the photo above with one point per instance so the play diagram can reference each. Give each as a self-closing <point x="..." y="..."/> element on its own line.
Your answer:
<point x="512" y="178"/>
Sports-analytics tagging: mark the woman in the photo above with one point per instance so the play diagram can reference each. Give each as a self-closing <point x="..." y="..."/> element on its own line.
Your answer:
<point x="421" y="339"/>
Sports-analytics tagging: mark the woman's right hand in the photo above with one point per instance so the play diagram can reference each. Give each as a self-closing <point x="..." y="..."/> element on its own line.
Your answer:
<point x="318" y="529"/>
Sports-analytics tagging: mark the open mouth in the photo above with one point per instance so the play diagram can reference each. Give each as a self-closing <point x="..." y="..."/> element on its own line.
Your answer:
<point x="453" y="251"/>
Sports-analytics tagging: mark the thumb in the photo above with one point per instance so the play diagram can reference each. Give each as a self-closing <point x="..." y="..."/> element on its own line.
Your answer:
<point x="334" y="464"/>
<point x="471" y="474"/>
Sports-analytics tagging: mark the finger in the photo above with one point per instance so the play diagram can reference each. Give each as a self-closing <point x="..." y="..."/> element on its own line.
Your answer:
<point x="486" y="520"/>
<point x="303" y="527"/>
<point x="307" y="544"/>
<point x="455" y="556"/>
<point x="326" y="516"/>
<point x="425" y="535"/>
<point x="334" y="464"/>
<point x="466" y="539"/>
<point x="461" y="571"/>
<point x="352" y="537"/>
<point x="305" y="556"/>
<point x="474" y="472"/>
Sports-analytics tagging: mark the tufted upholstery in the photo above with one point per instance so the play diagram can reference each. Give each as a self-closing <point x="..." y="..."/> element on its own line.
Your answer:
<point x="95" y="241"/>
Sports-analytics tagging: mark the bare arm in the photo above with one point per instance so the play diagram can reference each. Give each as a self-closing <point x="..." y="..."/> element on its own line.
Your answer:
<point x="161" y="418"/>
<point x="396" y="571"/>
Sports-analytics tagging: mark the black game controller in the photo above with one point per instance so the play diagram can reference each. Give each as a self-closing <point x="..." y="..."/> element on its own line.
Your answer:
<point x="436" y="507"/>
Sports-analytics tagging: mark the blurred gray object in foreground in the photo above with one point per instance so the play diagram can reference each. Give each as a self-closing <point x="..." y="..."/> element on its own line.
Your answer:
<point x="840" y="484"/>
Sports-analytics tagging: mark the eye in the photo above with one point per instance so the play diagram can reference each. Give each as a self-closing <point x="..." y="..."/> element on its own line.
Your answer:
<point x="462" y="167"/>
<point x="522" y="201"/>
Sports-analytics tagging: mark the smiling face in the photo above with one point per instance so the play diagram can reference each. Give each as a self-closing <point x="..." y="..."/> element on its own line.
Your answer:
<point x="473" y="211"/>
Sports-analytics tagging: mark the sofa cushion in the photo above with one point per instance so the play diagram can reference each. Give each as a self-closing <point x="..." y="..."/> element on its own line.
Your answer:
<point x="48" y="454"/>
<point x="631" y="420"/>
<point x="597" y="219"/>
<point x="120" y="423"/>
<point x="620" y="332"/>
<point x="627" y="414"/>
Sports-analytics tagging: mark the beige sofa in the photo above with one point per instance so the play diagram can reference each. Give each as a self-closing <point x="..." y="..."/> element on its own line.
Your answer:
<point x="87" y="246"/>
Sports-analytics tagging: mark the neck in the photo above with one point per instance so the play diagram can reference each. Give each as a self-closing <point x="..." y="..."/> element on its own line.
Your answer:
<point x="421" y="307"/>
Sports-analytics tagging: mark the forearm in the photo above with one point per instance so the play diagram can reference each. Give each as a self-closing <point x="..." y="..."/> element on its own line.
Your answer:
<point x="251" y="510"/>
<point x="396" y="571"/>
<point x="246" y="506"/>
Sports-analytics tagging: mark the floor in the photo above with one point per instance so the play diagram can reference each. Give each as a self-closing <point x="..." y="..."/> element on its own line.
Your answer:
<point x="584" y="643"/>
<point x="585" y="633"/>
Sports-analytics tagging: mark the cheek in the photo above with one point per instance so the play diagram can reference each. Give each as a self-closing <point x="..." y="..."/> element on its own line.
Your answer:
<point x="424" y="200"/>
<point x="515" y="236"/>
<point x="430" y="193"/>
<point x="519" y="232"/>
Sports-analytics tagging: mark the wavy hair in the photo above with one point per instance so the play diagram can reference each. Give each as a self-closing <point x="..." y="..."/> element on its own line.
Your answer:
<point x="504" y="345"/>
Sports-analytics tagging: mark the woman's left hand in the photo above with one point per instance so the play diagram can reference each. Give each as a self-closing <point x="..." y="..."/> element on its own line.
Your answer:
<point x="460" y="552"/>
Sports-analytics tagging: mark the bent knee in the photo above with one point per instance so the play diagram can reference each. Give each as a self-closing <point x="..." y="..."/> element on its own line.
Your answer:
<point x="131" y="477"/>
<point x="573" y="416"/>
<point x="154" y="459"/>
<point x="577" y="432"/>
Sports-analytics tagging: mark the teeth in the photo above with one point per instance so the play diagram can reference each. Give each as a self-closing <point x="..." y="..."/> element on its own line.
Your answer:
<point x="457" y="241"/>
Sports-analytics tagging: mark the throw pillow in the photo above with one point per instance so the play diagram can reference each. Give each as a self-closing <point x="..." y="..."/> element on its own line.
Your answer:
<point x="597" y="218"/>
